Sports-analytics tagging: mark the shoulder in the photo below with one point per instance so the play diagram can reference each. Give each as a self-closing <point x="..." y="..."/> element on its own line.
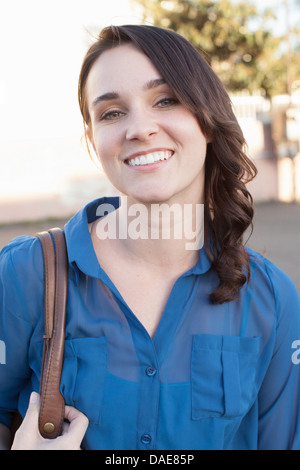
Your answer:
<point x="22" y="277"/>
<point x="262" y="266"/>
<point x="22" y="254"/>
<point x="269" y="280"/>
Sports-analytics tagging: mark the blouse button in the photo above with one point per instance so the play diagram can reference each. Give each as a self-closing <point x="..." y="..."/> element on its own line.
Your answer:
<point x="146" y="438"/>
<point x="150" y="371"/>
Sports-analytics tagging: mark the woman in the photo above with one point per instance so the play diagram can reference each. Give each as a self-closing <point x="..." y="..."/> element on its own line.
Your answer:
<point x="166" y="347"/>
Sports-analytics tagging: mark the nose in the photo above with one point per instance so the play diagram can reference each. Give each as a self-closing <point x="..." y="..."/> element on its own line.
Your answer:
<point x="141" y="125"/>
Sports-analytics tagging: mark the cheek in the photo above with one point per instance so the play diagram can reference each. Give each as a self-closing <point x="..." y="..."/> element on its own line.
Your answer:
<point x="105" y="148"/>
<point x="195" y="143"/>
<point x="189" y="130"/>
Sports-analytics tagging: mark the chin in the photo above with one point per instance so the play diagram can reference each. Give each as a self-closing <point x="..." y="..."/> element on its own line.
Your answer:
<point x="152" y="198"/>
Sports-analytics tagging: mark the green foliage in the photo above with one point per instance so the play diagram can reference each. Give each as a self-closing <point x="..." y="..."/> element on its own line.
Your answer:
<point x="234" y="36"/>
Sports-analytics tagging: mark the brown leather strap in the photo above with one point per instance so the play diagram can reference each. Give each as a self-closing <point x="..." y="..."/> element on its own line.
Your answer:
<point x="55" y="298"/>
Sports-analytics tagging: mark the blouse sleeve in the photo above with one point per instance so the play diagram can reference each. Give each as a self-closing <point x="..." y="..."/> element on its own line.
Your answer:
<point x="279" y="396"/>
<point x="20" y="302"/>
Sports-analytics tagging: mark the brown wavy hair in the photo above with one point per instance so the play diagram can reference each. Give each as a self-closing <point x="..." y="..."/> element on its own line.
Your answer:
<point x="228" y="203"/>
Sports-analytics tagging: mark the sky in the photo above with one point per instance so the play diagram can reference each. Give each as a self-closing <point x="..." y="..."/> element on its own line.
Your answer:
<point x="278" y="25"/>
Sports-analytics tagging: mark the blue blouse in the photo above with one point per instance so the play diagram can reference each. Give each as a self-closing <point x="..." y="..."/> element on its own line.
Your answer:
<point x="223" y="376"/>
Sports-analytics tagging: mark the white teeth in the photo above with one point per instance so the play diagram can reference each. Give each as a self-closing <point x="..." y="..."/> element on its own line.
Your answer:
<point x="150" y="158"/>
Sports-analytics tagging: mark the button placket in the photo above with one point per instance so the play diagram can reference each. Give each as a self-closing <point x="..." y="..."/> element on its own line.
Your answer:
<point x="150" y="389"/>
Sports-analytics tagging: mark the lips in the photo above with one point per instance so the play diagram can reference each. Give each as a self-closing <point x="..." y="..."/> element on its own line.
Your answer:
<point x="149" y="158"/>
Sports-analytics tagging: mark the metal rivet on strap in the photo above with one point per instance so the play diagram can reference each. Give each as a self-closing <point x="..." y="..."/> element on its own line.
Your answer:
<point x="49" y="428"/>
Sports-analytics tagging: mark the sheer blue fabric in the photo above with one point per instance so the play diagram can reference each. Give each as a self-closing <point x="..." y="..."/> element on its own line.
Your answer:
<point x="213" y="376"/>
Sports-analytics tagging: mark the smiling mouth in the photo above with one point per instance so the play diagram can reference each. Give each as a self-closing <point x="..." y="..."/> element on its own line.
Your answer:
<point x="150" y="158"/>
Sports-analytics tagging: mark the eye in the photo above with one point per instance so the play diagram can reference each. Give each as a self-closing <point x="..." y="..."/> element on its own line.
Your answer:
<point x="167" y="102"/>
<point x="111" y="115"/>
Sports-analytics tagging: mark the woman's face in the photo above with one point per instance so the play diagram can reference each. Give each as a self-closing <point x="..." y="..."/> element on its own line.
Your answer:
<point x="150" y="146"/>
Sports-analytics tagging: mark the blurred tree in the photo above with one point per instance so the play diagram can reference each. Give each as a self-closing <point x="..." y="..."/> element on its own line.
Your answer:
<point x="234" y="36"/>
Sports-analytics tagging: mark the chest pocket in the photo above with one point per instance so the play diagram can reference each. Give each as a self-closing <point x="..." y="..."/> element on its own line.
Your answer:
<point x="223" y="375"/>
<point x="83" y="375"/>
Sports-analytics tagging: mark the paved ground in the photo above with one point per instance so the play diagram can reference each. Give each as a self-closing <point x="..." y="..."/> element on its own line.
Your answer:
<point x="276" y="234"/>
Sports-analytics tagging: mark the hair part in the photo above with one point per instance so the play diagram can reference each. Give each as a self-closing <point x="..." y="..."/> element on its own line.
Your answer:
<point x="228" y="203"/>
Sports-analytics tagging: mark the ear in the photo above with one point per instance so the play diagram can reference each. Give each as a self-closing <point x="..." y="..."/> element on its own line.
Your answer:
<point x="209" y="138"/>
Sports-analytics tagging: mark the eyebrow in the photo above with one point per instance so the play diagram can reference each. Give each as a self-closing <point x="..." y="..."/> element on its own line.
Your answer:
<point x="112" y="95"/>
<point x="155" y="83"/>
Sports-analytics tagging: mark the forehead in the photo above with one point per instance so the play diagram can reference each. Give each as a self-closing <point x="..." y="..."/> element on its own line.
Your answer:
<point x="120" y="69"/>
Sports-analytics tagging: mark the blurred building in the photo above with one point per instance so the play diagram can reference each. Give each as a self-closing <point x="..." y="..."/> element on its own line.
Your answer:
<point x="272" y="131"/>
